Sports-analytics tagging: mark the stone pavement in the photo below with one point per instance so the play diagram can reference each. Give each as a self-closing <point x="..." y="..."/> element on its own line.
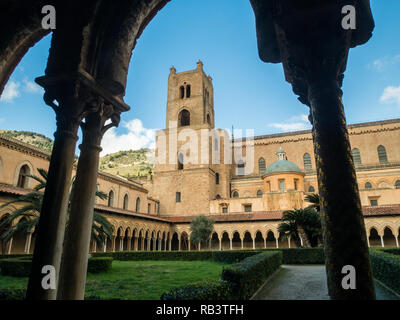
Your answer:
<point x="305" y="282"/>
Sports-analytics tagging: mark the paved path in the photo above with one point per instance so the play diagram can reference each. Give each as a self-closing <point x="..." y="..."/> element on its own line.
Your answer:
<point x="305" y="282"/>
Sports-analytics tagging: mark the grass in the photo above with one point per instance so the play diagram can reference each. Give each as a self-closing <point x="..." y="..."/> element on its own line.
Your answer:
<point x="138" y="280"/>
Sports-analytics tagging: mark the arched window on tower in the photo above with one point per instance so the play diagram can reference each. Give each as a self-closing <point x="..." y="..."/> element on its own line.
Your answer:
<point x="311" y="189"/>
<point x="184" y="118"/>
<point x="180" y="161"/>
<point x="188" y="88"/>
<point x="261" y="166"/>
<point x="397" y="184"/>
<point x="356" y="156"/>
<point x="22" y="176"/>
<point x="126" y="202"/>
<point x="111" y="198"/>
<point x="235" y="194"/>
<point x="182" y="92"/>
<point x="307" y="162"/>
<point x="137" y="204"/>
<point x="382" y="154"/>
<point x="217" y="178"/>
<point x="259" y="193"/>
<point x="368" y="185"/>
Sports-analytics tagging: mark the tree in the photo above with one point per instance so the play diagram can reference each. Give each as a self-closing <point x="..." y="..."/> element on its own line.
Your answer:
<point x="28" y="214"/>
<point x="302" y="225"/>
<point x="201" y="228"/>
<point x="314" y="200"/>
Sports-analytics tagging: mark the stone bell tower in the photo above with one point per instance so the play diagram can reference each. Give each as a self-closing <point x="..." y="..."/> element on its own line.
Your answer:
<point x="190" y="98"/>
<point x="184" y="182"/>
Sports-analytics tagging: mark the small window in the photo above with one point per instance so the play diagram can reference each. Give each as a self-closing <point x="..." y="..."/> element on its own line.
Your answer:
<point x="22" y="177"/>
<point x="368" y="185"/>
<point x="148" y="208"/>
<point x="311" y="189"/>
<point x="224" y="209"/>
<point x="178" y="197"/>
<point x="235" y="194"/>
<point x="296" y="184"/>
<point x="126" y="202"/>
<point x="188" y="88"/>
<point x="382" y="154"/>
<point x="180" y="161"/>
<point x="240" y="168"/>
<point x="261" y="166"/>
<point x="111" y="198"/>
<point x="282" y="185"/>
<point x="217" y="196"/>
<point x="374" y="202"/>
<point x="307" y="162"/>
<point x="217" y="178"/>
<point x="397" y="184"/>
<point x="137" y="204"/>
<point x="356" y="156"/>
<point x="182" y="92"/>
<point x="247" y="208"/>
<point x="259" y="193"/>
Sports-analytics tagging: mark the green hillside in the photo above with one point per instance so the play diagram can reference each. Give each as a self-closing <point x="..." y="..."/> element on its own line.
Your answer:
<point x="38" y="140"/>
<point x="131" y="163"/>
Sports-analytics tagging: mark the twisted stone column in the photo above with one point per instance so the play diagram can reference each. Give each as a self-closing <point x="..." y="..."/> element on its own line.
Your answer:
<point x="71" y="95"/>
<point x="345" y="239"/>
<point x="77" y="241"/>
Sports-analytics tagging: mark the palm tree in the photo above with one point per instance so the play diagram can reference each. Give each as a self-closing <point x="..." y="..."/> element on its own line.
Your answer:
<point x="302" y="225"/>
<point x="28" y="214"/>
<point x="314" y="200"/>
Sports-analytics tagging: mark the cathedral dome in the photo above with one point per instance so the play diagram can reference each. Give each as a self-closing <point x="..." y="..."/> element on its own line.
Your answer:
<point x="282" y="165"/>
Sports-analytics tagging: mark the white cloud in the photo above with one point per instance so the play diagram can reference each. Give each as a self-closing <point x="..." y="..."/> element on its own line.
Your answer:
<point x="32" y="87"/>
<point x="293" y="124"/>
<point x="136" y="138"/>
<point x="10" y="91"/>
<point x="391" y="95"/>
<point x="384" y="63"/>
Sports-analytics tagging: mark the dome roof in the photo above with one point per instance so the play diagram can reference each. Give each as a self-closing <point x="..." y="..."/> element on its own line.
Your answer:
<point x="282" y="166"/>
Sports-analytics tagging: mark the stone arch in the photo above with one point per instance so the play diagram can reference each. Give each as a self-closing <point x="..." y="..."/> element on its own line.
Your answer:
<point x="214" y="241"/>
<point x="119" y="238"/>
<point x="374" y="238"/>
<point x="225" y="242"/>
<point x="389" y="238"/>
<point x="270" y="239"/>
<point x="24" y="167"/>
<point x="247" y="240"/>
<point x="259" y="240"/>
<point x="111" y="197"/>
<point x="236" y="240"/>
<point x="175" y="241"/>
<point x="184" y="239"/>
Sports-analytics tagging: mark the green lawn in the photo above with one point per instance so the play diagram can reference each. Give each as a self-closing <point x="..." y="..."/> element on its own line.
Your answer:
<point x="138" y="280"/>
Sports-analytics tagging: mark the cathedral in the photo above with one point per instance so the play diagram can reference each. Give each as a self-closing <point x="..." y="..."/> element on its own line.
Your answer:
<point x="243" y="184"/>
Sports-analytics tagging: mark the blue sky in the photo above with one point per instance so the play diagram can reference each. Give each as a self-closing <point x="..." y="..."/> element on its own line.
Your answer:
<point x="249" y="94"/>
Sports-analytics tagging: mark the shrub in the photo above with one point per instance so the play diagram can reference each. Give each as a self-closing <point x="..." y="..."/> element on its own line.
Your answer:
<point x="233" y="256"/>
<point x="248" y="275"/>
<point x="303" y="256"/>
<point x="205" y="290"/>
<point x="386" y="268"/>
<point x="12" y="294"/>
<point x="159" y="255"/>
<point x="395" y="251"/>
<point x="100" y="264"/>
<point x="15" y="267"/>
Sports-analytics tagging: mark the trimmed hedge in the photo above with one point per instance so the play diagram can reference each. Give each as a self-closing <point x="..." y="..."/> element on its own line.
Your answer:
<point x="248" y="275"/>
<point x="157" y="255"/>
<point x="99" y="264"/>
<point x="8" y="256"/>
<point x="395" y="251"/>
<point x="233" y="256"/>
<point x="303" y="255"/>
<point x="12" y="294"/>
<point x="16" y="267"/>
<point x="386" y="268"/>
<point x="204" y="290"/>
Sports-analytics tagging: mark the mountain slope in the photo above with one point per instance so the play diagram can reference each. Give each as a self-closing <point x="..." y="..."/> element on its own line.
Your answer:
<point x="36" y="139"/>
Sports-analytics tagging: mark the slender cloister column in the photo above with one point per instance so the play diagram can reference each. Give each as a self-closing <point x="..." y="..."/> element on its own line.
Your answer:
<point x="129" y="244"/>
<point x="254" y="243"/>
<point x="170" y="244"/>
<point x="382" y="242"/>
<point x="396" y="237"/>
<point x="230" y="243"/>
<point x="241" y="242"/>
<point x="113" y="241"/>
<point x="220" y="243"/>
<point x="28" y="242"/>
<point x="265" y="243"/>
<point x="9" y="246"/>
<point x="179" y="243"/>
<point x="277" y="242"/>
<point x="289" y="242"/>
